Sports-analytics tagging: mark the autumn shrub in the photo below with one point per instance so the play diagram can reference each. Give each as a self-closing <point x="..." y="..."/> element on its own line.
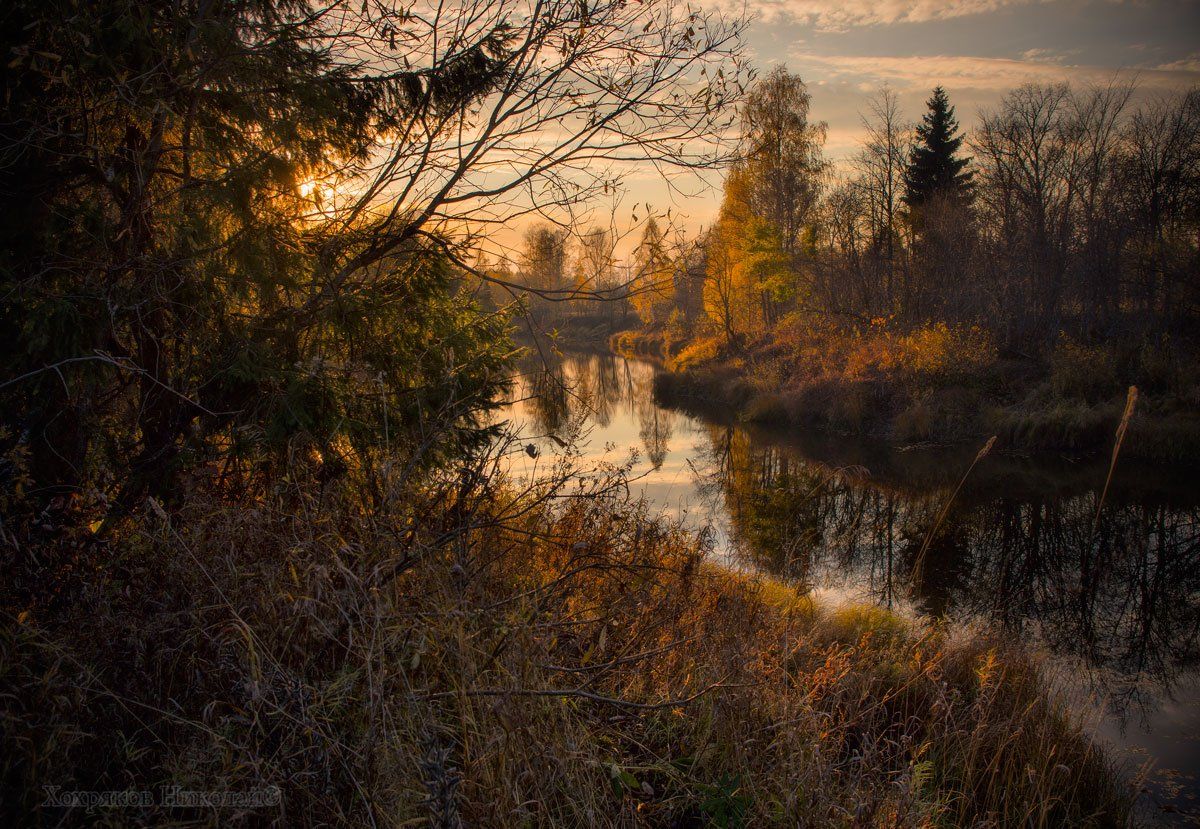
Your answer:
<point x="637" y="343"/>
<point x="809" y="347"/>
<point x="874" y="354"/>
<point x="702" y="351"/>
<point x="939" y="351"/>
<point x="881" y="351"/>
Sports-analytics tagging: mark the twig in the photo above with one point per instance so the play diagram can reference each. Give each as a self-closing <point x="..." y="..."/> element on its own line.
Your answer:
<point x="920" y="562"/>
<point x="100" y="357"/>
<point x="623" y="660"/>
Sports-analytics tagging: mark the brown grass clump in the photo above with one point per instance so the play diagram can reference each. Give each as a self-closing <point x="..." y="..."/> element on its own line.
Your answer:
<point x="463" y="654"/>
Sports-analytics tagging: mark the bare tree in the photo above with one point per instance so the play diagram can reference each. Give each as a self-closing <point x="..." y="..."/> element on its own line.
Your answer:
<point x="844" y="283"/>
<point x="1027" y="161"/>
<point x="1090" y="213"/>
<point x="1101" y="228"/>
<point x="543" y="266"/>
<point x="880" y="166"/>
<point x="586" y="90"/>
<point x="1161" y="180"/>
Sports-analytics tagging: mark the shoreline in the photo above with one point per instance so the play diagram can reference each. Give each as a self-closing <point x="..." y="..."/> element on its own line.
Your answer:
<point x="952" y="415"/>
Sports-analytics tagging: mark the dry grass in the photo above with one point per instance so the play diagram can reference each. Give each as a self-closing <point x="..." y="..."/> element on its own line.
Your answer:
<point x="926" y="354"/>
<point x="466" y="656"/>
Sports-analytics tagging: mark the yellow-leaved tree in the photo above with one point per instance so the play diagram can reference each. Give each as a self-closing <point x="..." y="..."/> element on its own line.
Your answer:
<point x="755" y="249"/>
<point x="750" y="275"/>
<point x="654" y="278"/>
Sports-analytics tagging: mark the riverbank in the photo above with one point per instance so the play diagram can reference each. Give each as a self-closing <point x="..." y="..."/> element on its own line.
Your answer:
<point x="471" y="654"/>
<point x="577" y="332"/>
<point x="938" y="386"/>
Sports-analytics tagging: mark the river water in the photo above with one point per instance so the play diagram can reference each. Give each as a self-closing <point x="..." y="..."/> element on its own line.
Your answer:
<point x="1111" y="595"/>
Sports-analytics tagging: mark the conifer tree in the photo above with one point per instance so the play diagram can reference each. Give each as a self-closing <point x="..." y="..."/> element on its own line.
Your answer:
<point x="934" y="165"/>
<point x="176" y="269"/>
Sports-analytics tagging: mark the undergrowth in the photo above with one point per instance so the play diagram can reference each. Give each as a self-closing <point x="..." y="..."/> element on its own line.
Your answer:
<point x="468" y="652"/>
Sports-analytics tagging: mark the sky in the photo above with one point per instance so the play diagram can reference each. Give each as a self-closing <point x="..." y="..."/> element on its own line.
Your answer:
<point x="846" y="50"/>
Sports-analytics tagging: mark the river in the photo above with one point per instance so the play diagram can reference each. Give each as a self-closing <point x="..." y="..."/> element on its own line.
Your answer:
<point x="1112" y="596"/>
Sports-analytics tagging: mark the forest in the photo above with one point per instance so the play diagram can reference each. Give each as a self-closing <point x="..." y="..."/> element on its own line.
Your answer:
<point x="266" y="560"/>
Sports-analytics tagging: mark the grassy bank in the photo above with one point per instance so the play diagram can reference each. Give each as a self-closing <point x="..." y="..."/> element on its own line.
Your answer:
<point x="939" y="384"/>
<point x="578" y="332"/>
<point x="465" y="654"/>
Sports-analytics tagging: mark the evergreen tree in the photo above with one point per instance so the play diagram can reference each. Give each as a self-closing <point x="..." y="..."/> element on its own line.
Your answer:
<point x="172" y="289"/>
<point x="934" y="165"/>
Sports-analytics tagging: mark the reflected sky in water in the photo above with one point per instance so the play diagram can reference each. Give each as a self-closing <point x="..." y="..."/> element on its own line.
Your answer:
<point x="1115" y="600"/>
<point x="605" y="404"/>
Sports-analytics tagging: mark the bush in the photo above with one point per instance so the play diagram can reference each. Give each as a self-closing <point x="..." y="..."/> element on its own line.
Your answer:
<point x="940" y="351"/>
<point x="696" y="354"/>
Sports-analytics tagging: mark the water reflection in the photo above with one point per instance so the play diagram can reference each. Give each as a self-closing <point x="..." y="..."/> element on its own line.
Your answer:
<point x="1021" y="549"/>
<point x="1120" y="593"/>
<point x="562" y="396"/>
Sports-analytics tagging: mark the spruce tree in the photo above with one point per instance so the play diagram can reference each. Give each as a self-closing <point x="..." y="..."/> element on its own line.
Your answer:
<point x="170" y="291"/>
<point x="934" y="165"/>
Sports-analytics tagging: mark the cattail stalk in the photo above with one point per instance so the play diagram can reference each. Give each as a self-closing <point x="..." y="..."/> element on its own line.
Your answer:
<point x="1122" y="428"/>
<point x="980" y="455"/>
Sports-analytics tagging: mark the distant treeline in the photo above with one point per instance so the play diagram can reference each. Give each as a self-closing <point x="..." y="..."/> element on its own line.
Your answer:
<point x="1066" y="210"/>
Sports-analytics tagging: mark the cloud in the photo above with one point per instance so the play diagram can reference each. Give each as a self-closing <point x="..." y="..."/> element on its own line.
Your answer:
<point x="1189" y="64"/>
<point x="962" y="72"/>
<point x="1049" y="55"/>
<point x="839" y="15"/>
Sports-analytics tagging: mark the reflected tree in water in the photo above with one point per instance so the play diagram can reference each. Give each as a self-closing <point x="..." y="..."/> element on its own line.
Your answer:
<point x="608" y="386"/>
<point x="1018" y="549"/>
<point x="655" y="425"/>
<point x="548" y="390"/>
<point x="1121" y="598"/>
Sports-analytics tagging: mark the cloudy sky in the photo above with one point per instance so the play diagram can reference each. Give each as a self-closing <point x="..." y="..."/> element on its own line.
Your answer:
<point x="977" y="49"/>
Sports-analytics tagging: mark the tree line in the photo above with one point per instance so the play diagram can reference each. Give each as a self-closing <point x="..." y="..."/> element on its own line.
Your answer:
<point x="1071" y="210"/>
